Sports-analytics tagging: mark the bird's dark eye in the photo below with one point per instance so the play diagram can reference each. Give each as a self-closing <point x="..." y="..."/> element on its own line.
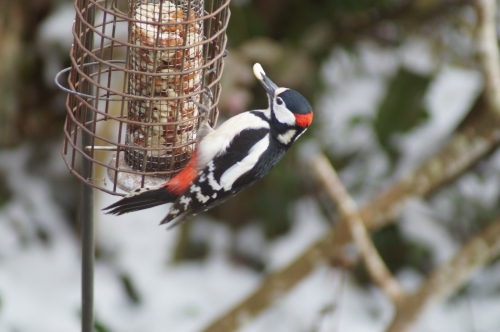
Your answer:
<point x="279" y="101"/>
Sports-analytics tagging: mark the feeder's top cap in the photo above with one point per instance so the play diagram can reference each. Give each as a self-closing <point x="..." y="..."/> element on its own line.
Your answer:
<point x="258" y="71"/>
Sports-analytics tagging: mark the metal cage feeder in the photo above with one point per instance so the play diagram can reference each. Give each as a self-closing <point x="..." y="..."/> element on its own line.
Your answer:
<point x="143" y="75"/>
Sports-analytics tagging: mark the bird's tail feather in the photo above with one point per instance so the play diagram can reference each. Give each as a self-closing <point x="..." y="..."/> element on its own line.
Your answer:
<point x="177" y="218"/>
<point x="140" y="199"/>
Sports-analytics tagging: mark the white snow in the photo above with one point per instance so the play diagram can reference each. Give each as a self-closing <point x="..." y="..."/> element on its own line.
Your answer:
<point x="36" y="280"/>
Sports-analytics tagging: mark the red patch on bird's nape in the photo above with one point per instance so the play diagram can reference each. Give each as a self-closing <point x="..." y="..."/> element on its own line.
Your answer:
<point x="304" y="120"/>
<point x="179" y="183"/>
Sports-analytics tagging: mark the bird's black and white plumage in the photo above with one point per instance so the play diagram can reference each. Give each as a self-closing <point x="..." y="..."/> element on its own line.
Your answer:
<point x="229" y="159"/>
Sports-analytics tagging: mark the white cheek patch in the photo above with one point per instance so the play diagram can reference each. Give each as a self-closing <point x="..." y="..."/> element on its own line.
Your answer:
<point x="284" y="115"/>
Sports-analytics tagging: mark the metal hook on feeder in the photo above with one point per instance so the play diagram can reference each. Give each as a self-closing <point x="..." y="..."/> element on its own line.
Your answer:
<point x="206" y="109"/>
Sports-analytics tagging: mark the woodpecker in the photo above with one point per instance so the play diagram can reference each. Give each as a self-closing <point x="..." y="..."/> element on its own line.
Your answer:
<point x="230" y="158"/>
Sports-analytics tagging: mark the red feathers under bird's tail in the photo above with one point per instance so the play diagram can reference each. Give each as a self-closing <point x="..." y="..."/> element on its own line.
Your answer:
<point x="144" y="198"/>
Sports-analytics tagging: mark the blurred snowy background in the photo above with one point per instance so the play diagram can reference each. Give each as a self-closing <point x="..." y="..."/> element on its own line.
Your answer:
<point x="389" y="80"/>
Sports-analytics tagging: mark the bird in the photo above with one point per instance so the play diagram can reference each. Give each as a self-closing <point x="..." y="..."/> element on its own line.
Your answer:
<point x="228" y="159"/>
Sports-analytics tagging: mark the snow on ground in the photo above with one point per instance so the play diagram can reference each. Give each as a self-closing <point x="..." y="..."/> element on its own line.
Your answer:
<point x="38" y="282"/>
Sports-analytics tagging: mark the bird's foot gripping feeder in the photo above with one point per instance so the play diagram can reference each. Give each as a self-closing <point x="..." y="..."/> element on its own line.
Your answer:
<point x="144" y="74"/>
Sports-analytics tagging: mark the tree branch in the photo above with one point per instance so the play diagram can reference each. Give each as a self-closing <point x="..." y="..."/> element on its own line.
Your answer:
<point x="350" y="214"/>
<point x="446" y="279"/>
<point x="487" y="48"/>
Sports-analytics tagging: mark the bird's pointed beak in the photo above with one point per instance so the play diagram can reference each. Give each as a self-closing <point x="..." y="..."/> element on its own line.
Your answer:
<point x="268" y="85"/>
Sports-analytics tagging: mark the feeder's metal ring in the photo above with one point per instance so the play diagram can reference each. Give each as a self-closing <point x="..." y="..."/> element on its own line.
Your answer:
<point x="123" y="98"/>
<point x="84" y="95"/>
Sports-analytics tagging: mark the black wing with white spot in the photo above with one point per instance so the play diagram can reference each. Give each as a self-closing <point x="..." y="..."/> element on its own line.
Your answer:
<point x="227" y="174"/>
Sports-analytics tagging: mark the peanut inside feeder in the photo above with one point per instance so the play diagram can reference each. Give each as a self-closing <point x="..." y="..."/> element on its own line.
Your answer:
<point x="166" y="63"/>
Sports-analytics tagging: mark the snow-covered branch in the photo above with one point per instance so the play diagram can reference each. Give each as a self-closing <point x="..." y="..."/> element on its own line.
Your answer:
<point x="348" y="209"/>
<point x="487" y="47"/>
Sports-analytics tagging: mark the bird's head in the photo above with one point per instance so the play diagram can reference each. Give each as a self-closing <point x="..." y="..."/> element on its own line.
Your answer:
<point x="287" y="106"/>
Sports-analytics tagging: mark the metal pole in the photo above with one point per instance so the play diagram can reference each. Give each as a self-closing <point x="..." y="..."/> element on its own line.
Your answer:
<point x="88" y="245"/>
<point x="87" y="196"/>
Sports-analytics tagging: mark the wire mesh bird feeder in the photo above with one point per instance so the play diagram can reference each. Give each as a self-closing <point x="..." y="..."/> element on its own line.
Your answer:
<point x="143" y="75"/>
